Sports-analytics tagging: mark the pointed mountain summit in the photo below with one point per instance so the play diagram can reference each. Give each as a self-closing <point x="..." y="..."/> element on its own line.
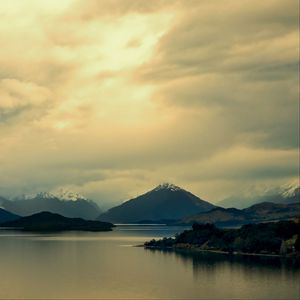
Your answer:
<point x="167" y="186"/>
<point x="163" y="203"/>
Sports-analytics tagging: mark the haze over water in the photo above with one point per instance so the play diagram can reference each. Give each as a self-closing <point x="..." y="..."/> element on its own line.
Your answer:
<point x="83" y="265"/>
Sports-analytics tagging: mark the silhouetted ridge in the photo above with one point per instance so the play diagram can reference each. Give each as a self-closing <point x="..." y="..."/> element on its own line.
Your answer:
<point x="266" y="211"/>
<point x="46" y="221"/>
<point x="7" y="216"/>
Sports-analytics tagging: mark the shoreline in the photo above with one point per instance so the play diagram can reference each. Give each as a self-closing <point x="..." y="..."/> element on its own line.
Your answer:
<point x="235" y="253"/>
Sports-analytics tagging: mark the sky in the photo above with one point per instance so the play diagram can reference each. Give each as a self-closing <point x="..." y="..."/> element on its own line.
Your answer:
<point x="109" y="98"/>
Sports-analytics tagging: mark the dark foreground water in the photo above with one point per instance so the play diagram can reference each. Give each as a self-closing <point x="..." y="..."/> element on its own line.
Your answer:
<point x="83" y="265"/>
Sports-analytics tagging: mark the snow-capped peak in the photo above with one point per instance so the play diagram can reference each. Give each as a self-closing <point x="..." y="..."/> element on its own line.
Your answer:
<point x="44" y="195"/>
<point x="60" y="194"/>
<point x="68" y="195"/>
<point x="291" y="189"/>
<point x="167" y="186"/>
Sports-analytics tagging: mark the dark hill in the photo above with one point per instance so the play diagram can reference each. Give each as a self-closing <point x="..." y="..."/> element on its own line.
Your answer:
<point x="220" y="216"/>
<point x="274" y="211"/>
<point x="279" y="238"/>
<point x="261" y="212"/>
<point x="46" y="221"/>
<point x="7" y="216"/>
<point x="165" y="202"/>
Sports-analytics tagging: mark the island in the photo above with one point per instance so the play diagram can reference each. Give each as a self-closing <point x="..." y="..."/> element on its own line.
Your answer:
<point x="273" y="238"/>
<point x="46" y="221"/>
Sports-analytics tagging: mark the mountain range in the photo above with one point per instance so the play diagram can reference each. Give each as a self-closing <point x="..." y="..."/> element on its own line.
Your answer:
<point x="288" y="193"/>
<point x="166" y="202"/>
<point x="262" y="212"/>
<point x="65" y="203"/>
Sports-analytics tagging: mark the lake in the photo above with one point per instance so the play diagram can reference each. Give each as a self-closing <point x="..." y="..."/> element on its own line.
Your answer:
<point x="105" y="265"/>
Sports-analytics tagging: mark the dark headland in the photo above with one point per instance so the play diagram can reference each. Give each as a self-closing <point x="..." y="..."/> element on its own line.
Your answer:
<point x="46" y="221"/>
<point x="273" y="238"/>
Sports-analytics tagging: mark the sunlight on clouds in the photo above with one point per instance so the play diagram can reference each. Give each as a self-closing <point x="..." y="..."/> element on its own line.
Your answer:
<point x="115" y="37"/>
<point x="31" y="7"/>
<point x="120" y="95"/>
<point x="15" y="93"/>
<point x="103" y="79"/>
<point x="61" y="125"/>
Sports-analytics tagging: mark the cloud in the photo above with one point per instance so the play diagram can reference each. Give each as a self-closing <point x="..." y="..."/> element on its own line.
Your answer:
<point x="17" y="97"/>
<point x="15" y="93"/>
<point x="93" y="9"/>
<point x="241" y="60"/>
<point x="112" y="97"/>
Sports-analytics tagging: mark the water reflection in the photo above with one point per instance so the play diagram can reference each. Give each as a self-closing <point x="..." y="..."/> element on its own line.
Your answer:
<point x="85" y="265"/>
<point x="210" y="263"/>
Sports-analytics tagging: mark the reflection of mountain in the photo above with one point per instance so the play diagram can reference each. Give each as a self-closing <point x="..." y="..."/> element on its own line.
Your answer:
<point x="67" y="204"/>
<point x="165" y="202"/>
<point x="289" y="193"/>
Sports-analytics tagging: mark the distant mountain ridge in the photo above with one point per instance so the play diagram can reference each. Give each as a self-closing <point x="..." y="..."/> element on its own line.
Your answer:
<point x="165" y="202"/>
<point x="288" y="193"/>
<point x="262" y="212"/>
<point x="68" y="204"/>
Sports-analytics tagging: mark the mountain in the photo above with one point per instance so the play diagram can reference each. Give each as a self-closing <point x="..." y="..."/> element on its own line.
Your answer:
<point x="261" y="212"/>
<point x="65" y="203"/>
<point x="273" y="211"/>
<point x="288" y="193"/>
<point x="46" y="221"/>
<point x="220" y="216"/>
<point x="165" y="202"/>
<point x="7" y="216"/>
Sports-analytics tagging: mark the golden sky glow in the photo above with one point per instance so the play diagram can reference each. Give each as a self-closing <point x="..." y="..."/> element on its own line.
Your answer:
<point x="109" y="98"/>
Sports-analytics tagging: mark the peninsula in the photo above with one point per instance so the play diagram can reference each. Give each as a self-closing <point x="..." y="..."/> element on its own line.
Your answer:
<point x="274" y="238"/>
<point x="46" y="221"/>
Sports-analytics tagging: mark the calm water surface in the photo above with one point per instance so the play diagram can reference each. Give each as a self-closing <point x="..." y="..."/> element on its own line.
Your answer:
<point x="84" y="265"/>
